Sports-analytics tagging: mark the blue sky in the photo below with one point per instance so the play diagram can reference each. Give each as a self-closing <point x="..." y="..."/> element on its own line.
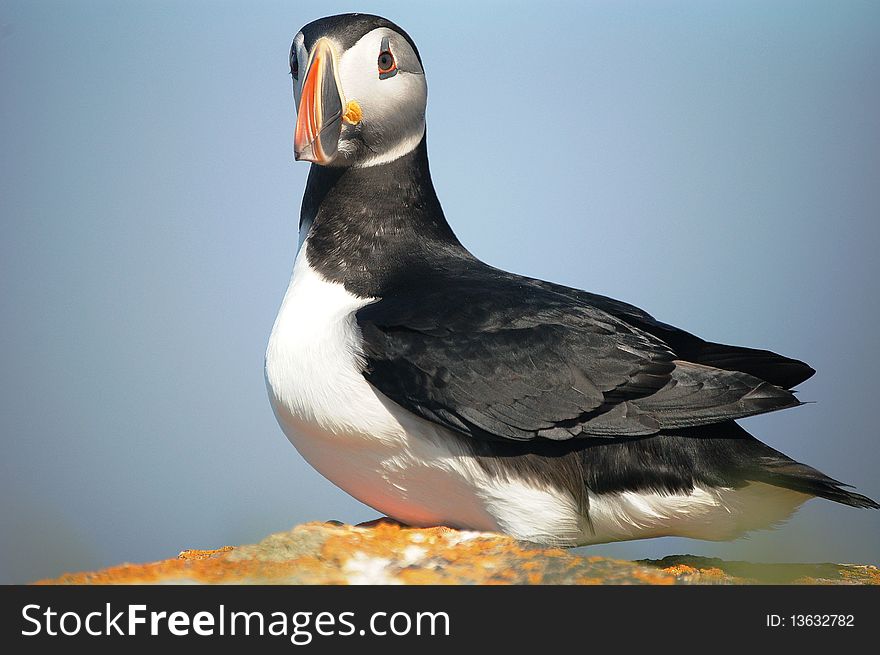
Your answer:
<point x="714" y="163"/>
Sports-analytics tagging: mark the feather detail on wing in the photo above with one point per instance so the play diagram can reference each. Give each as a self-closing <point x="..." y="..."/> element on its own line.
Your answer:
<point x="525" y="362"/>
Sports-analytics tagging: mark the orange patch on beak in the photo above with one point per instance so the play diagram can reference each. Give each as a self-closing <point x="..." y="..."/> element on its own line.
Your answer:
<point x="319" y="119"/>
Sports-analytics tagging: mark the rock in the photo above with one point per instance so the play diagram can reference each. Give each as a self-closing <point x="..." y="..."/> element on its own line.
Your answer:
<point x="331" y="553"/>
<point x="709" y="569"/>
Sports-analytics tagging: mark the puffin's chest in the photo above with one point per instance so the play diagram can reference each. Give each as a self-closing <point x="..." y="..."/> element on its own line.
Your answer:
<point x="314" y="363"/>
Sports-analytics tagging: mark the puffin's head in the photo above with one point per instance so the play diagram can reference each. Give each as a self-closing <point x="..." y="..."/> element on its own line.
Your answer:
<point x="360" y="91"/>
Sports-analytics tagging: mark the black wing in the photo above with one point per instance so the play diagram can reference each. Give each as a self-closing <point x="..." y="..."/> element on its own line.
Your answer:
<point x="771" y="367"/>
<point x="497" y="356"/>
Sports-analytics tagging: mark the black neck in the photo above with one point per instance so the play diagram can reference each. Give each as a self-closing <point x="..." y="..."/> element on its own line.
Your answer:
<point x="371" y="227"/>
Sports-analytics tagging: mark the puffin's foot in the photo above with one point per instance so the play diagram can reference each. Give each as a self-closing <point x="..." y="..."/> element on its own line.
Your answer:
<point x="385" y="520"/>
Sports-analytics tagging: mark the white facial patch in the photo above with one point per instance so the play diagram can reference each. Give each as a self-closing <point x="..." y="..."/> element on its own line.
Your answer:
<point x="393" y="108"/>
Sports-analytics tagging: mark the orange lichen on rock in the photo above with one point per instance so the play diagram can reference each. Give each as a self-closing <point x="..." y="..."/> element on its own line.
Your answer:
<point x="318" y="553"/>
<point x="694" y="569"/>
<point x="203" y="554"/>
<point x="710" y="575"/>
<point x="324" y="553"/>
<point x="681" y="569"/>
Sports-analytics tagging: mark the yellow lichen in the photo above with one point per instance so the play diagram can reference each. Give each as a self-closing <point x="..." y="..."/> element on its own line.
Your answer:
<point x="316" y="553"/>
<point x="203" y="554"/>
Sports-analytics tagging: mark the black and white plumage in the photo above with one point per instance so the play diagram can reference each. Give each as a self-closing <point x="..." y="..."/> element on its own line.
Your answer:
<point x="441" y="390"/>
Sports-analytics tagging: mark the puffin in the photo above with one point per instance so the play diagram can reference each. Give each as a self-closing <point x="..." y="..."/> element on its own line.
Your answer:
<point x="442" y="391"/>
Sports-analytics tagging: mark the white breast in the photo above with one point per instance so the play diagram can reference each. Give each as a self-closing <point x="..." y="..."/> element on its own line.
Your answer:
<point x="313" y="359"/>
<point x="423" y="474"/>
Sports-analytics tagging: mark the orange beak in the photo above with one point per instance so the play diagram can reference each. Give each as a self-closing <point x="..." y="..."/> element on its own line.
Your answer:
<point x="319" y="115"/>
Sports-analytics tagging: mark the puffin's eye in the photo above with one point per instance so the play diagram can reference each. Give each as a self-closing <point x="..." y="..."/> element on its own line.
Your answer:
<point x="387" y="65"/>
<point x="294" y="65"/>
